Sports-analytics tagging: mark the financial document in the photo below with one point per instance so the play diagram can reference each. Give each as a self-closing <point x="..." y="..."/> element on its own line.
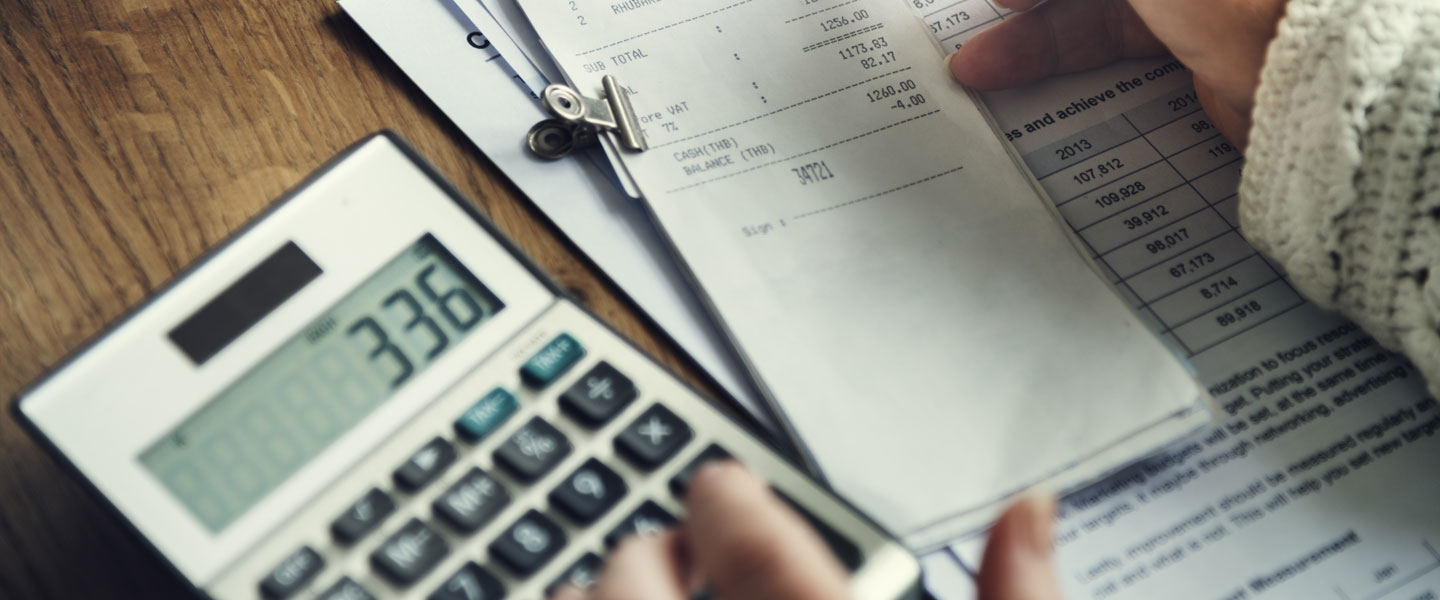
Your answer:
<point x="885" y="264"/>
<point x="459" y="68"/>
<point x="1135" y="535"/>
<point x="1320" y="480"/>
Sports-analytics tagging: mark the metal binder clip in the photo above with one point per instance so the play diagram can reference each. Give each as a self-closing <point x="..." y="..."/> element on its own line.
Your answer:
<point x="580" y="120"/>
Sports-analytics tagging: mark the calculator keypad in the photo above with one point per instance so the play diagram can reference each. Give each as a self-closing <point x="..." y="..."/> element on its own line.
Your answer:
<point x="513" y="443"/>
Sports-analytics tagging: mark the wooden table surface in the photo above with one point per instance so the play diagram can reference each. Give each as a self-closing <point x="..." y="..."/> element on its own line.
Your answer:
<point x="135" y="134"/>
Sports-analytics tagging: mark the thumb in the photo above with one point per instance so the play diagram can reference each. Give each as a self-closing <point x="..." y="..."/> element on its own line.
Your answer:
<point x="750" y="546"/>
<point x="1017" y="564"/>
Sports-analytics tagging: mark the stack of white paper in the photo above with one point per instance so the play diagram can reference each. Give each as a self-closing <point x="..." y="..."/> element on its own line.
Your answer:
<point x="1216" y="513"/>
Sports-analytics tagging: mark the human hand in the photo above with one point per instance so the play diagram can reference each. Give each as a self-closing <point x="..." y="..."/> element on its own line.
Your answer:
<point x="743" y="543"/>
<point x="1223" y="42"/>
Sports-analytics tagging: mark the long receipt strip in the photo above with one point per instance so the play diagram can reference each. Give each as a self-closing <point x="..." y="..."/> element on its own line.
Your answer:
<point x="886" y="266"/>
<point x="1320" y="481"/>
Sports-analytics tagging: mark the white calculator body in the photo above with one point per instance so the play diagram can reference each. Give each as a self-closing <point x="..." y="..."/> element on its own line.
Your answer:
<point x="367" y="393"/>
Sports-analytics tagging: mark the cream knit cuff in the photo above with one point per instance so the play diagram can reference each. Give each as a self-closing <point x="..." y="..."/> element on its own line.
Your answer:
<point x="1342" y="181"/>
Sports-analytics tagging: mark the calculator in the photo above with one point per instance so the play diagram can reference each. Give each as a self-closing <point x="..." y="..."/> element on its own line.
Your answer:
<point x="367" y="392"/>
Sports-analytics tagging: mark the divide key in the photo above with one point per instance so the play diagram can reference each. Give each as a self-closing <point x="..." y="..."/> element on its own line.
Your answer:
<point x="599" y="395"/>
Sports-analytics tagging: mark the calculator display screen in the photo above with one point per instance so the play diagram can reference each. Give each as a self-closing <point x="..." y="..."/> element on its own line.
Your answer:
<point x="320" y="383"/>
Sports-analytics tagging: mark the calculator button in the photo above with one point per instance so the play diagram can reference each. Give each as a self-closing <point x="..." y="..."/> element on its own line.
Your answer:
<point x="346" y="589"/>
<point x="410" y="553"/>
<point x="471" y="582"/>
<point x="848" y="554"/>
<point x="529" y="543"/>
<point x="425" y="465"/>
<point x="533" y="450"/>
<point x="362" y="517"/>
<point x="583" y="574"/>
<point x="589" y="492"/>
<point x="646" y="521"/>
<point x="292" y="574"/>
<point x="681" y="481"/>
<point x="471" y="502"/>
<point x="552" y="361"/>
<point x="600" y="395"/>
<point x="487" y="415"/>
<point x="653" y="438"/>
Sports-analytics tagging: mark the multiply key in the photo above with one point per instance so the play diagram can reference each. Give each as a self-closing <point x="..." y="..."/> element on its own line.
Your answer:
<point x="653" y="438"/>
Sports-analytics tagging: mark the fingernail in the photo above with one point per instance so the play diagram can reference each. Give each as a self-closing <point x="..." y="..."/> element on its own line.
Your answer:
<point x="710" y="469"/>
<point x="568" y="591"/>
<point x="1039" y="507"/>
<point x="948" y="64"/>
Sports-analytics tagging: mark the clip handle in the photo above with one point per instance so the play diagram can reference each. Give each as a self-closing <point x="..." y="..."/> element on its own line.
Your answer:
<point x="624" y="115"/>
<point x="612" y="112"/>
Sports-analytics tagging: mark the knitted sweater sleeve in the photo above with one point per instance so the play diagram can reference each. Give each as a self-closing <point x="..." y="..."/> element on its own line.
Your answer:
<point x="1342" y="181"/>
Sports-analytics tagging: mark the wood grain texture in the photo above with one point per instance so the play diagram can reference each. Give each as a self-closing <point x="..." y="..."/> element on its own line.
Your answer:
<point x="135" y="134"/>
